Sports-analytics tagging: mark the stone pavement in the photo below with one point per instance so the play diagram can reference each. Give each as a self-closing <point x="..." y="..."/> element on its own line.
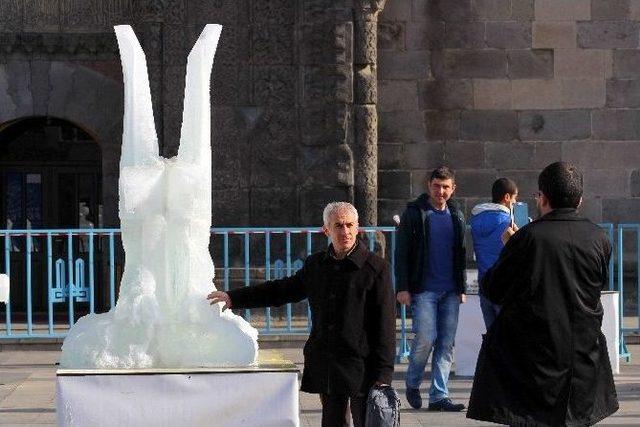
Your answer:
<point x="27" y="392"/>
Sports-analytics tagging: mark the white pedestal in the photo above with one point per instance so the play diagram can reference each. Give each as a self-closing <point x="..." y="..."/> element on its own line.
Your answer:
<point x="266" y="395"/>
<point x="469" y="336"/>
<point x="611" y="327"/>
<point x="471" y="327"/>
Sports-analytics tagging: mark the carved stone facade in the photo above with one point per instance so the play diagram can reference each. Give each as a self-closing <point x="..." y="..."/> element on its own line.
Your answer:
<point x="294" y="121"/>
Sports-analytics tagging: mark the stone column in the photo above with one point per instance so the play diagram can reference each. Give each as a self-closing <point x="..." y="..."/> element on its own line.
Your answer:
<point x="364" y="106"/>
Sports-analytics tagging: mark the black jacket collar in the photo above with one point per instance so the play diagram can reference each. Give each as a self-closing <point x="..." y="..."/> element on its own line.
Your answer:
<point x="422" y="202"/>
<point x="562" y="214"/>
<point x="358" y="255"/>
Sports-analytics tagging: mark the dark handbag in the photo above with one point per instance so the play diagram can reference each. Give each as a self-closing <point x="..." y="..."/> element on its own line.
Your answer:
<point x="383" y="407"/>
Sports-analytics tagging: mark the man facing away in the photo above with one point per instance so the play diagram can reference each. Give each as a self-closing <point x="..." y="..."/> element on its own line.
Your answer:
<point x="430" y="264"/>
<point x="351" y="347"/>
<point x="544" y="362"/>
<point x="488" y="222"/>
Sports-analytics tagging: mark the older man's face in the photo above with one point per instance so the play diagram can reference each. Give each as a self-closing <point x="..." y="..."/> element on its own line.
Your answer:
<point x="342" y="230"/>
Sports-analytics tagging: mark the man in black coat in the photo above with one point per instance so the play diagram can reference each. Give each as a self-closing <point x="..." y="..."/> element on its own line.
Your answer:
<point x="544" y="361"/>
<point x="351" y="346"/>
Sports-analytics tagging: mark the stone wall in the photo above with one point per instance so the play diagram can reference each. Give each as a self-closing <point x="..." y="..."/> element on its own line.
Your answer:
<point x="504" y="87"/>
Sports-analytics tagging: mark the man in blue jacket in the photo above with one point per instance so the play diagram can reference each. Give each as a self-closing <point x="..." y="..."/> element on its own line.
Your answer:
<point x="488" y="222"/>
<point x="430" y="264"/>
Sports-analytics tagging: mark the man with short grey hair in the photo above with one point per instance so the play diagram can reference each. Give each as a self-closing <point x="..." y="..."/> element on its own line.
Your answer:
<point x="351" y="347"/>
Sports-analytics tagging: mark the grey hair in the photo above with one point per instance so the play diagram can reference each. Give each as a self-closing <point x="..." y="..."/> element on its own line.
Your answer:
<point x="335" y="207"/>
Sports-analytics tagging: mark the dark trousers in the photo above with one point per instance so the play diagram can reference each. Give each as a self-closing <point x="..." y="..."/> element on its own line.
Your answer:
<point x="335" y="410"/>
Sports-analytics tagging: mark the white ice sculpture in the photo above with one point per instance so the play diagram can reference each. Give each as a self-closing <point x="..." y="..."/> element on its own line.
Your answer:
<point x="162" y="318"/>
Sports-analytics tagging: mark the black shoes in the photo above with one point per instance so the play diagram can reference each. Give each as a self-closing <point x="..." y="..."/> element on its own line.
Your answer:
<point x="413" y="397"/>
<point x="444" y="405"/>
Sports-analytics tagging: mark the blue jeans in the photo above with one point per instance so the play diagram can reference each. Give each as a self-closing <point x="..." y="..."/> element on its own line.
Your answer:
<point x="435" y="321"/>
<point x="489" y="311"/>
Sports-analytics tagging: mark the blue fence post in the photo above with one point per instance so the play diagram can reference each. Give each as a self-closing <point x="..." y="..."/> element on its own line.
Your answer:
<point x="309" y="243"/>
<point x="226" y="261"/>
<point x="7" y="271"/>
<point x="403" y="350"/>
<point x="247" y="271"/>
<point x="29" y="293"/>
<point x="91" y="275"/>
<point x="50" y="281"/>
<point x="622" y="351"/>
<point x="288" y="246"/>
<point x="70" y="278"/>
<point x="112" y="271"/>
<point x="267" y="274"/>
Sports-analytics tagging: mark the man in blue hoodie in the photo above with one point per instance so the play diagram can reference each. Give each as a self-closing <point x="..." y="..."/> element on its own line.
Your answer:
<point x="488" y="222"/>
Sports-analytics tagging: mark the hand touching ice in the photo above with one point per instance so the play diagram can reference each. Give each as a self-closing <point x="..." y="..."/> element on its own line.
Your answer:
<point x="219" y="296"/>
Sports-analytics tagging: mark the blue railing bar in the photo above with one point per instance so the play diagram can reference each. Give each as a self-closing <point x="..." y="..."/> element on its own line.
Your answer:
<point x="372" y="243"/>
<point x="91" y="274"/>
<point x="29" y="293"/>
<point x="61" y="231"/>
<point x="34" y="335"/>
<point x="49" y="281"/>
<point x="267" y="274"/>
<point x="7" y="271"/>
<point x="112" y="272"/>
<point x="289" y="273"/>
<point x="284" y="230"/>
<point x="629" y="226"/>
<point x="226" y="262"/>
<point x="247" y="279"/>
<point x="70" y="278"/>
<point x="215" y="230"/>
<point x="309" y="249"/>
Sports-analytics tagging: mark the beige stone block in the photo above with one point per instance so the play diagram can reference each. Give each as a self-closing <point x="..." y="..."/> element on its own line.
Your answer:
<point x="608" y="64"/>
<point x="583" y="93"/>
<point x="634" y="10"/>
<point x="563" y="10"/>
<point x="536" y="94"/>
<point x="576" y="63"/>
<point x="490" y="94"/>
<point x="554" y="34"/>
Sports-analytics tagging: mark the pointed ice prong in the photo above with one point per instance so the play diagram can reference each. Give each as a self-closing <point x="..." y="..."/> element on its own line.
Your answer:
<point x="195" y="136"/>
<point x="139" y="138"/>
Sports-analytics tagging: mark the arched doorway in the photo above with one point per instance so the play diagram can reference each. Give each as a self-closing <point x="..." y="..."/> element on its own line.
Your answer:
<point x="50" y="178"/>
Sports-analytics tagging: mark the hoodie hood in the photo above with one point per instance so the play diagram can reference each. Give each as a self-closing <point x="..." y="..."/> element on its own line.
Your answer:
<point x="488" y="218"/>
<point x="483" y="207"/>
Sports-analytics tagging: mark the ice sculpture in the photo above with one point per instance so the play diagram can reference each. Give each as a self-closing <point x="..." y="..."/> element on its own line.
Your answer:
<point x="162" y="318"/>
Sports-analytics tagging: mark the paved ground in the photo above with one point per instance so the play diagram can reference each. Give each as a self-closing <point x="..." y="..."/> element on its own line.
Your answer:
<point x="27" y="392"/>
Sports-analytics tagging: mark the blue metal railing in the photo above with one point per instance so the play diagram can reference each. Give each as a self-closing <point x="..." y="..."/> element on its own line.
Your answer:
<point x="84" y="261"/>
<point x="71" y="276"/>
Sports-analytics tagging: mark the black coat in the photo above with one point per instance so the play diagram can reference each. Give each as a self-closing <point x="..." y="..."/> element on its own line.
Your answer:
<point x="412" y="247"/>
<point x="352" y="339"/>
<point x="544" y="361"/>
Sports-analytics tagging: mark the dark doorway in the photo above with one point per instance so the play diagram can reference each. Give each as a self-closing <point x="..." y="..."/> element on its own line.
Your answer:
<point x="50" y="177"/>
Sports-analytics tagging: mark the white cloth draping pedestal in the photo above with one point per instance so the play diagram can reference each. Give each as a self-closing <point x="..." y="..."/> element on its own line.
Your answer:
<point x="471" y="327"/>
<point x="261" y="396"/>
